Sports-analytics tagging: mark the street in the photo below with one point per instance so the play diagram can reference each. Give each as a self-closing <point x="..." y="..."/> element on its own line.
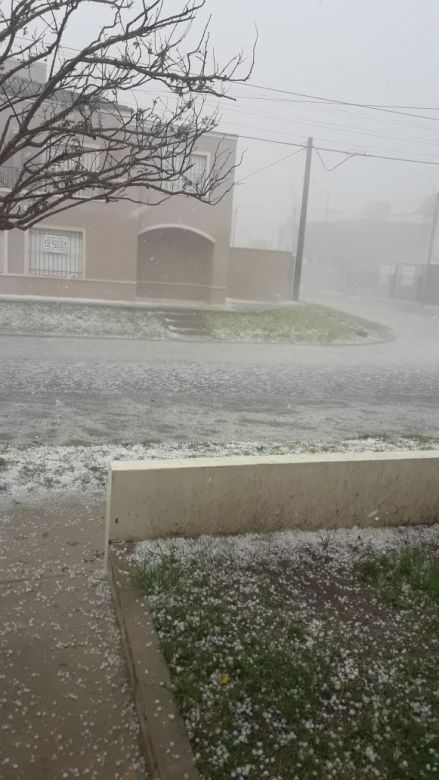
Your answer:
<point x="73" y="390"/>
<point x="57" y="391"/>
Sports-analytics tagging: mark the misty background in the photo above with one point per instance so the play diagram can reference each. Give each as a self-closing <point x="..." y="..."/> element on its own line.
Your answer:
<point x="374" y="210"/>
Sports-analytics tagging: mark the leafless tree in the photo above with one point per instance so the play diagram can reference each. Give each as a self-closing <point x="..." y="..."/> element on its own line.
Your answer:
<point x="80" y="133"/>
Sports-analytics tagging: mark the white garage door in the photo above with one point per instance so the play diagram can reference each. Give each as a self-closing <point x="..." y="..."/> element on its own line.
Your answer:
<point x="56" y="253"/>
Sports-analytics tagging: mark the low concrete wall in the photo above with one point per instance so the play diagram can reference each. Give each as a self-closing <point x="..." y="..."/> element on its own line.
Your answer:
<point x="241" y="494"/>
<point x="181" y="291"/>
<point x="260" y="274"/>
<point x="21" y="284"/>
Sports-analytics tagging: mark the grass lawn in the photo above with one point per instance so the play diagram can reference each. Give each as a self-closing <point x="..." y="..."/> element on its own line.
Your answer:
<point x="302" y="655"/>
<point x="76" y="319"/>
<point x="303" y="323"/>
<point x="36" y="468"/>
<point x="299" y="324"/>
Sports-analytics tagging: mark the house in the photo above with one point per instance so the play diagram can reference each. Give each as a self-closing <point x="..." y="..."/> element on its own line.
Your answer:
<point x="119" y="250"/>
<point x="178" y="249"/>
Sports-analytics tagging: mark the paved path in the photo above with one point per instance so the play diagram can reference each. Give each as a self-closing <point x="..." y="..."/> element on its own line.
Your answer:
<point x="65" y="705"/>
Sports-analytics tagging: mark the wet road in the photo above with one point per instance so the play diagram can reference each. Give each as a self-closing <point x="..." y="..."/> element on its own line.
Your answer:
<point x="71" y="390"/>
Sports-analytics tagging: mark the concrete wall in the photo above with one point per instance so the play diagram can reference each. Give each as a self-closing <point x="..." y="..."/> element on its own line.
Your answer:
<point x="260" y="274"/>
<point x="24" y="284"/>
<point x="407" y="282"/>
<point x="432" y="284"/>
<point x="186" y="291"/>
<point x="416" y="283"/>
<point x="242" y="494"/>
<point x="110" y="239"/>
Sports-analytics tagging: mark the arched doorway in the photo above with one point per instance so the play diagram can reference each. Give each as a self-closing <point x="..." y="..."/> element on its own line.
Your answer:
<point x="174" y="262"/>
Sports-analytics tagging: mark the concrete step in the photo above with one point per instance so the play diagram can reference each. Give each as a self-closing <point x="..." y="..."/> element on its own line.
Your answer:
<point x="184" y="324"/>
<point x="185" y="331"/>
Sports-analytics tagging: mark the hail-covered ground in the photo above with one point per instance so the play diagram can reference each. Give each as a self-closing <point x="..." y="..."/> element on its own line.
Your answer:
<point x="302" y="655"/>
<point x="300" y="324"/>
<point x="37" y="469"/>
<point x="76" y="319"/>
<point x="66" y="694"/>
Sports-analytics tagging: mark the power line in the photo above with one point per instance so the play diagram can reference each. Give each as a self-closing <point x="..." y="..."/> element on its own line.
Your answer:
<point x="304" y="97"/>
<point x="409" y="108"/>
<point x="368" y="106"/>
<point x="337" y="126"/>
<point x="341" y="127"/>
<point x="232" y="105"/>
<point x="321" y="138"/>
<point x="387" y="108"/>
<point x="337" y="165"/>
<point x="271" y="165"/>
<point x="345" y="128"/>
<point x="319" y="105"/>
<point x="349" y="153"/>
<point x="319" y="101"/>
<point x="378" y="156"/>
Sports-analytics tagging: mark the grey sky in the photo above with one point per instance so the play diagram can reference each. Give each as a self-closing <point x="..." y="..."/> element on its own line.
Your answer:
<point x="359" y="50"/>
<point x="378" y="51"/>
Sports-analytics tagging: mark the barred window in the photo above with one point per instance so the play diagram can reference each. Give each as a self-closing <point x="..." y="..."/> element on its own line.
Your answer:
<point x="196" y="174"/>
<point x="87" y="162"/>
<point x="55" y="253"/>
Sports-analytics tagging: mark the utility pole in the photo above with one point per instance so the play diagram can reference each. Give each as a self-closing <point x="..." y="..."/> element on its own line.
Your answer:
<point x="234" y="221"/>
<point x="425" y="268"/>
<point x="433" y="230"/>
<point x="302" y="224"/>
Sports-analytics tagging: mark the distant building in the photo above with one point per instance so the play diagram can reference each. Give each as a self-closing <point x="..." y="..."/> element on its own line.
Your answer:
<point x="360" y="254"/>
<point x="287" y="237"/>
<point x="258" y="243"/>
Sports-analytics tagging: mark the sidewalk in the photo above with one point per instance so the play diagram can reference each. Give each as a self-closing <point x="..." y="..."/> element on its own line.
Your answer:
<point x="66" y="707"/>
<point x="155" y="304"/>
<point x="410" y="320"/>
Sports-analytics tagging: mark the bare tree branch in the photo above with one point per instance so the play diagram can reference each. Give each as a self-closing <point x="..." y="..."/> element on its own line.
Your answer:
<point x="66" y="136"/>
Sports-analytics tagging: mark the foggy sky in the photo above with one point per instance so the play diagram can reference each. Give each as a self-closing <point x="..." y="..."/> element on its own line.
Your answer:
<point x="376" y="51"/>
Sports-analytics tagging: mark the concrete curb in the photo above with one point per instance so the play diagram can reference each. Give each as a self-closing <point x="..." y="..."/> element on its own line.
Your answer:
<point x="197" y="340"/>
<point x="163" y="739"/>
<point x="265" y="493"/>
<point x="150" y="304"/>
<point x="166" y="308"/>
<point x="88" y="336"/>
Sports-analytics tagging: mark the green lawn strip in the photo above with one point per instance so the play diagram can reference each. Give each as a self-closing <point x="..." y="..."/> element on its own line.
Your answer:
<point x="401" y="576"/>
<point x="291" y="668"/>
<point x="301" y="324"/>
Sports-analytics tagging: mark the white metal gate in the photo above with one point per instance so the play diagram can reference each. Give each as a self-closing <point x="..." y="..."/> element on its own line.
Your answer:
<point x="57" y="253"/>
